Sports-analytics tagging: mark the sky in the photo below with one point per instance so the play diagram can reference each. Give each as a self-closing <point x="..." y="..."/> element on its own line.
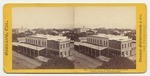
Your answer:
<point x="42" y="17"/>
<point x="70" y="17"/>
<point x="107" y="17"/>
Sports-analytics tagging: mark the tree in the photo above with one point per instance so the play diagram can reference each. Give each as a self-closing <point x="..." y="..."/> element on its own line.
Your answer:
<point x="118" y="63"/>
<point x="19" y="35"/>
<point x="131" y="35"/>
<point x="57" y="63"/>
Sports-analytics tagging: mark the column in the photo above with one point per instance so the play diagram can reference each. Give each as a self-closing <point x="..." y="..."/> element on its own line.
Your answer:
<point x="30" y="52"/>
<point x="88" y="50"/>
<point x="23" y="50"/>
<point x="38" y="52"/>
<point x="99" y="52"/>
<point x="33" y="53"/>
<point x="95" y="53"/>
<point x="92" y="52"/>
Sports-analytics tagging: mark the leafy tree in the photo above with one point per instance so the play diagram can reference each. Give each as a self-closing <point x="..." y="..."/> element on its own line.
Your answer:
<point x="57" y="63"/>
<point x="118" y="63"/>
<point x="82" y="34"/>
<point x="131" y="35"/>
<point x="15" y="36"/>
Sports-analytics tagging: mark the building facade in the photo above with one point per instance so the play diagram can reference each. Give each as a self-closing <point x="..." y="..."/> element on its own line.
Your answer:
<point x="51" y="45"/>
<point x="80" y="30"/>
<point x="107" y="45"/>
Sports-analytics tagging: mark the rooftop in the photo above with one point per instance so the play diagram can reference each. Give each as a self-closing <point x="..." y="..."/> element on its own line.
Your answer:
<point x="28" y="46"/>
<point x="90" y="45"/>
<point x="51" y="37"/>
<point x="113" y="37"/>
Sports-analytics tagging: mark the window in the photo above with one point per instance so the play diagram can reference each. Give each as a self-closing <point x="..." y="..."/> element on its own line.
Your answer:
<point x="88" y="39"/>
<point x="63" y="45"/>
<point x="97" y="41"/>
<point x="42" y="43"/>
<point x="31" y="40"/>
<point x="93" y="41"/>
<point x="60" y="54"/>
<point x="106" y="43"/>
<point x="45" y="43"/>
<point x="60" y="46"/>
<point x="128" y="45"/>
<point x="123" y="54"/>
<point x="65" y="52"/>
<point x="126" y="52"/>
<point x="100" y="42"/>
<point x="122" y="46"/>
<point x="125" y="45"/>
<point x="68" y="44"/>
<point x="69" y="53"/>
<point x="36" y="42"/>
<point x="131" y="53"/>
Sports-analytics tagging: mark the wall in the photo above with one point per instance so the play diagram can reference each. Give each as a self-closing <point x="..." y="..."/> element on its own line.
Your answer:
<point x="65" y="49"/>
<point x="126" y="48"/>
<point x="98" y="41"/>
<point x="36" y="41"/>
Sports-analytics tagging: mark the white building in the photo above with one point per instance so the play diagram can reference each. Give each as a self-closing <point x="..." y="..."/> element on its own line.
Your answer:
<point x="54" y="45"/>
<point x="19" y="30"/>
<point x="112" y="45"/>
<point x="80" y="30"/>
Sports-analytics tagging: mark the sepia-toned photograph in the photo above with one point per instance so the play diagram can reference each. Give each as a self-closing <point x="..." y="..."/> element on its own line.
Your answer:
<point x="71" y="37"/>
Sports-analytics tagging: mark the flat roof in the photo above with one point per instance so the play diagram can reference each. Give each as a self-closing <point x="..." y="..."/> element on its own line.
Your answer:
<point x="77" y="43"/>
<point x="90" y="46"/>
<point x="51" y="37"/>
<point x="28" y="46"/>
<point x="113" y="37"/>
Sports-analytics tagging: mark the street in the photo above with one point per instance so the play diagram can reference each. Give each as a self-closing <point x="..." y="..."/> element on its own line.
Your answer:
<point x="23" y="62"/>
<point x="85" y="62"/>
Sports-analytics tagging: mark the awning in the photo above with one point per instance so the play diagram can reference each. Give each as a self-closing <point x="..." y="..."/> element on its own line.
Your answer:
<point x="97" y="47"/>
<point x="28" y="46"/>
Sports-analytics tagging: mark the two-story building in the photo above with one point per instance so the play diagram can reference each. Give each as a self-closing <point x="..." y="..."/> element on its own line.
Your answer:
<point x="107" y="45"/>
<point x="44" y="45"/>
